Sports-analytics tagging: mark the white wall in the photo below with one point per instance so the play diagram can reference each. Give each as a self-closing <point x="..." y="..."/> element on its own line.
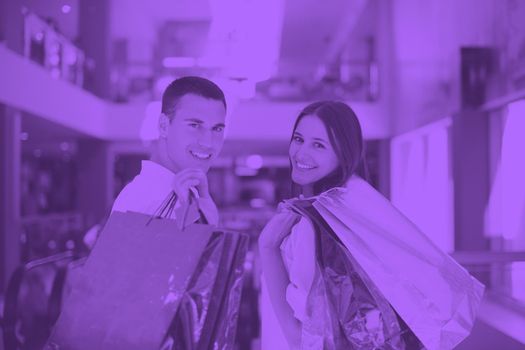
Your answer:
<point x="427" y="38"/>
<point x="421" y="181"/>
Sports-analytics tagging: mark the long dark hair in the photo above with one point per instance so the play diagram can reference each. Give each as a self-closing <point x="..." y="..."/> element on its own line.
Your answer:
<point x="346" y="137"/>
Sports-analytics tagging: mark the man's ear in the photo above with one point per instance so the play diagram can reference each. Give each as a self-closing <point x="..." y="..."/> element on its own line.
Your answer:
<point x="164" y="123"/>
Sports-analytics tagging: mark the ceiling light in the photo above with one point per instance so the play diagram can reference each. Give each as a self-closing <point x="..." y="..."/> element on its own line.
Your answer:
<point x="179" y="62"/>
<point x="254" y="161"/>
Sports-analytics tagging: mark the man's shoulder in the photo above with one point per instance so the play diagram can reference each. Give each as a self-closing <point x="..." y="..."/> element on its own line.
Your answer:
<point x="135" y="196"/>
<point x="125" y="198"/>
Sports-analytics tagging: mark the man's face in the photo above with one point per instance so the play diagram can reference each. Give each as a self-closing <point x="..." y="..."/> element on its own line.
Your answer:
<point x="196" y="133"/>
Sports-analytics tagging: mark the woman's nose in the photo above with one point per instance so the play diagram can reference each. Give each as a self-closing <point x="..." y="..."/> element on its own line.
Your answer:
<point x="302" y="153"/>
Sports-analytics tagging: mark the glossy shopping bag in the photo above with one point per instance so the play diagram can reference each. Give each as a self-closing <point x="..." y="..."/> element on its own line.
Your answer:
<point x="435" y="296"/>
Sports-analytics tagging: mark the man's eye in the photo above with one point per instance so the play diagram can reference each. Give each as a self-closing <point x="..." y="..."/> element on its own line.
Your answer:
<point x="218" y="128"/>
<point x="194" y="125"/>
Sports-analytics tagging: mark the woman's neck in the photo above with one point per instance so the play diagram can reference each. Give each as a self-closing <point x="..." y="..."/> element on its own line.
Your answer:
<point x="308" y="190"/>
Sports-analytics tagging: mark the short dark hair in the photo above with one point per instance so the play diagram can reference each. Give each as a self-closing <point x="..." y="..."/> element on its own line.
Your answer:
<point x="346" y="137"/>
<point x="189" y="85"/>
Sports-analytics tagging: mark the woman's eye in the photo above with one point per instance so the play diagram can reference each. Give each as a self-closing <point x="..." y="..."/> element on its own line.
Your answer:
<point x="194" y="125"/>
<point x="318" y="145"/>
<point x="297" y="139"/>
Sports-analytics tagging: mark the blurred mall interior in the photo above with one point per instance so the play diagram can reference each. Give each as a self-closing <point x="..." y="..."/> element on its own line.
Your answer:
<point x="438" y="85"/>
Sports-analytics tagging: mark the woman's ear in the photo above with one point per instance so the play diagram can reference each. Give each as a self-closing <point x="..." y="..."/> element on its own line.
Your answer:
<point x="164" y="123"/>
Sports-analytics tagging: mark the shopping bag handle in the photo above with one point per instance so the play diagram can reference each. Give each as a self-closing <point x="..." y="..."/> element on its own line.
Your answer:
<point x="191" y="199"/>
<point x="165" y="209"/>
<point x="168" y="205"/>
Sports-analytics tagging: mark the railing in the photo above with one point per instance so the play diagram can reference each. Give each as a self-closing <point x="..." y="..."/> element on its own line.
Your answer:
<point x="23" y="283"/>
<point x="484" y="258"/>
<point x="502" y="272"/>
<point x="46" y="235"/>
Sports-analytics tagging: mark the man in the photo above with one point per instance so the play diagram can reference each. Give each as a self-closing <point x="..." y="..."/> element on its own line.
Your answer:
<point x="191" y="134"/>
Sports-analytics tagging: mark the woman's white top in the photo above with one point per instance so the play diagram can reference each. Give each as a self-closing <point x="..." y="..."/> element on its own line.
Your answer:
<point x="298" y="253"/>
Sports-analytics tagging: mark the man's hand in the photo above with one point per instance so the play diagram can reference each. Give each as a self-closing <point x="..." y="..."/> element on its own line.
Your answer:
<point x="196" y="178"/>
<point x="187" y="178"/>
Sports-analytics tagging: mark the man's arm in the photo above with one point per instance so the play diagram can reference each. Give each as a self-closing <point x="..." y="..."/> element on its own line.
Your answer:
<point x="209" y="209"/>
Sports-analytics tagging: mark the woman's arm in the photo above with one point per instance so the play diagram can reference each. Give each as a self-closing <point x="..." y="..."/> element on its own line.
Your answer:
<point x="275" y="273"/>
<point x="277" y="281"/>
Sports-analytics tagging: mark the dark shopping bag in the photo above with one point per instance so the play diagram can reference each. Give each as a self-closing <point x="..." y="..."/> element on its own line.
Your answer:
<point x="208" y="313"/>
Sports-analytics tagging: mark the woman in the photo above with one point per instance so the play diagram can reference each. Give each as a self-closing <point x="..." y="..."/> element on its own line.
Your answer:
<point x="325" y="289"/>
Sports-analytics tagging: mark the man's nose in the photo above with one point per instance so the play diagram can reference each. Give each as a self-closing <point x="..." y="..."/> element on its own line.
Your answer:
<point x="205" y="138"/>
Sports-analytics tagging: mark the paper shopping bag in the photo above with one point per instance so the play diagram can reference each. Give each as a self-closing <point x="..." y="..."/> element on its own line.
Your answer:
<point x="131" y="285"/>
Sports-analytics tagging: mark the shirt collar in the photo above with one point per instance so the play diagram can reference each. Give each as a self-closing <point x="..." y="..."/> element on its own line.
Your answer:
<point x="156" y="173"/>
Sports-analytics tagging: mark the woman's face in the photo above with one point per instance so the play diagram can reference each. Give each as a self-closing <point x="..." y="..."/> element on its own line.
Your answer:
<point x="311" y="153"/>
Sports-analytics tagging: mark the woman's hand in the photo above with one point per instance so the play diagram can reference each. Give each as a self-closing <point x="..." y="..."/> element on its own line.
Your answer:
<point x="278" y="228"/>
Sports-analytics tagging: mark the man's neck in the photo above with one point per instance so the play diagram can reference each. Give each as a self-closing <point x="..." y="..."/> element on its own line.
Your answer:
<point x="160" y="156"/>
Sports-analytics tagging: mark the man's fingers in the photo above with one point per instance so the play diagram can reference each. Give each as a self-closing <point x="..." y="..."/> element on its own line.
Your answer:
<point x="185" y="186"/>
<point x="190" y="175"/>
<point x="182" y="188"/>
<point x="180" y="181"/>
<point x="187" y="178"/>
<point x="192" y="182"/>
<point x="190" y="172"/>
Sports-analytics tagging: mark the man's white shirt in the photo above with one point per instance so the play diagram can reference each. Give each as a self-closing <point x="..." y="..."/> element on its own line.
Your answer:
<point x="147" y="192"/>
